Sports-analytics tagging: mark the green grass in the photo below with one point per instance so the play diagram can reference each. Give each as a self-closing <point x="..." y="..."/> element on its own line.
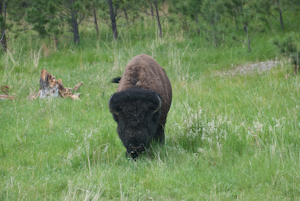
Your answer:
<point x="227" y="138"/>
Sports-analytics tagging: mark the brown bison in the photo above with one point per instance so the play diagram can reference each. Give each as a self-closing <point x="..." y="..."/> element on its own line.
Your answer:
<point x="141" y="104"/>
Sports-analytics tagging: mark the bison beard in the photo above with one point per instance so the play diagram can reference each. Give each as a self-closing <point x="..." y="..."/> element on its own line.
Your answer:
<point x="141" y="104"/>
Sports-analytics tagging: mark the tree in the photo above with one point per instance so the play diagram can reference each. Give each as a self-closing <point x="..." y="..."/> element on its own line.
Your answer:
<point x="49" y="17"/>
<point x="194" y="8"/>
<point x="94" y="5"/>
<point x="3" y="25"/>
<point x="186" y="9"/>
<point x="12" y="14"/>
<point x="155" y="2"/>
<point x="154" y="9"/>
<point x="295" y="5"/>
<point x="211" y="12"/>
<point x="288" y="47"/>
<point x="267" y="8"/>
<point x="250" y="23"/>
<point x="280" y="13"/>
<point x="130" y="8"/>
<point x="234" y="8"/>
<point x="44" y="17"/>
<point x="74" y="15"/>
<point x="184" y="14"/>
<point x="113" y="14"/>
<point x="110" y="11"/>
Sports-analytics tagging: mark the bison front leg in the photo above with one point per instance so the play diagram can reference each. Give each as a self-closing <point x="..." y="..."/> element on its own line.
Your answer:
<point x="160" y="134"/>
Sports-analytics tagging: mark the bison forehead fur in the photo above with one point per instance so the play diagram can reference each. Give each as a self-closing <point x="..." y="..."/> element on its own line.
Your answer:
<point x="142" y="89"/>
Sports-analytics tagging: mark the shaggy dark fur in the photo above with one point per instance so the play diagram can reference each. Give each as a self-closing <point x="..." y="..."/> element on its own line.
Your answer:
<point x="136" y="99"/>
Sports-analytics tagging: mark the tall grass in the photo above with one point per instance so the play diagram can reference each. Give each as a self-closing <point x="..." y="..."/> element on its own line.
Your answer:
<point x="227" y="138"/>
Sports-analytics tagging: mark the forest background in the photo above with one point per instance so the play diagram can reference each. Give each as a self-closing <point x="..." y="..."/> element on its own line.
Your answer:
<point x="232" y="132"/>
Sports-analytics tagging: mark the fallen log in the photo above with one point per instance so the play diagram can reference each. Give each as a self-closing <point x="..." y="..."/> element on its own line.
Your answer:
<point x="50" y="87"/>
<point x="2" y="97"/>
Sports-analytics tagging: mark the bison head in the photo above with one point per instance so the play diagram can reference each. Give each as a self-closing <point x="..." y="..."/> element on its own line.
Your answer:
<point x="136" y="112"/>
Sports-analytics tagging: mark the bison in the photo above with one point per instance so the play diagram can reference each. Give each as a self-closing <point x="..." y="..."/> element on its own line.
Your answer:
<point x="141" y="104"/>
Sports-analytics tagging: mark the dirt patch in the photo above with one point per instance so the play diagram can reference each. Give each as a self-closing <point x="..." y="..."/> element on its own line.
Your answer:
<point x="251" y="68"/>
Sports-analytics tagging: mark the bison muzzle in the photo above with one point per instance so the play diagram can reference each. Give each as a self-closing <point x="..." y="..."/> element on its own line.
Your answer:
<point x="141" y="104"/>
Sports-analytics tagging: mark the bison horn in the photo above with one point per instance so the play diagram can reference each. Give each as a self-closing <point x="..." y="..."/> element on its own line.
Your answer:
<point x="112" y="110"/>
<point x="159" y="105"/>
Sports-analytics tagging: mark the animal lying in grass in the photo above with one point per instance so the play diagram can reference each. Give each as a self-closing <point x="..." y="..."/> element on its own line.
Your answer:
<point x="141" y="104"/>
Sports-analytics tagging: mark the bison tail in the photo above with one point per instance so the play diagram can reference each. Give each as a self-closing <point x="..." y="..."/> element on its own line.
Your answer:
<point x="116" y="80"/>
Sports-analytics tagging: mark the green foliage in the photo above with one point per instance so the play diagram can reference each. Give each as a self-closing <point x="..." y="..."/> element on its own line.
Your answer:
<point x="185" y="10"/>
<point x="288" y="47"/>
<point x="212" y="12"/>
<point x="44" y="17"/>
<point x="266" y="8"/>
<point x="250" y="22"/>
<point x="16" y="10"/>
<point x="79" y="6"/>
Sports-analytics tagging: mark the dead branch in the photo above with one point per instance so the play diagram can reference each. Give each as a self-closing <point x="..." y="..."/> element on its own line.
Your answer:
<point x="2" y="97"/>
<point x="3" y="87"/>
<point x="50" y="87"/>
<point x="77" y="86"/>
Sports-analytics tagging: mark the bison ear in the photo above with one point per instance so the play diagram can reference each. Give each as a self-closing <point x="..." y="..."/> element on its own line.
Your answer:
<point x="159" y="104"/>
<point x="111" y="106"/>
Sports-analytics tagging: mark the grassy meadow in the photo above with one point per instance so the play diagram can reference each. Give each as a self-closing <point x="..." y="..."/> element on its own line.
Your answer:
<point x="227" y="137"/>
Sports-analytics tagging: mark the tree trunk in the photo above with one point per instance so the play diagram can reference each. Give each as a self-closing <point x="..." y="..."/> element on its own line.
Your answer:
<point x="157" y="17"/>
<point x="215" y="37"/>
<point x="74" y="23"/>
<point x="197" y="21"/>
<point x="151" y="10"/>
<point x="214" y="33"/>
<point x="241" y="8"/>
<point x="2" y="31"/>
<point x="280" y="14"/>
<point x="245" y="27"/>
<point x="235" y="19"/>
<point x="95" y="21"/>
<point x="215" y="40"/>
<point x="113" y="20"/>
<point x="248" y="39"/>
<point x="126" y="17"/>
<point x="56" y="41"/>
<point x="186" y="25"/>
<point x="296" y="69"/>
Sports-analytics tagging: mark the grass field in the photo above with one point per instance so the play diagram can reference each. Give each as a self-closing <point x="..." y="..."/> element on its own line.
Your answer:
<point x="227" y="137"/>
